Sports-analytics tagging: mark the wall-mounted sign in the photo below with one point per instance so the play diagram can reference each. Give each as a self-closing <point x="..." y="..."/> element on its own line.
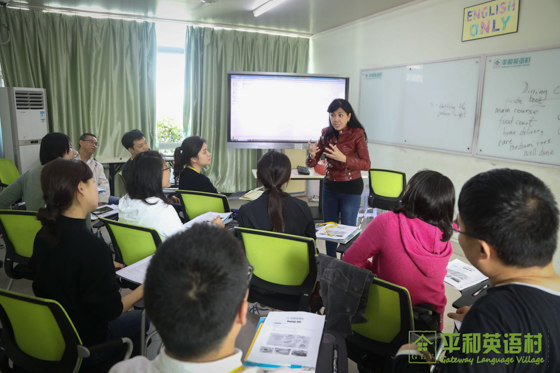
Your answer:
<point x="490" y="19"/>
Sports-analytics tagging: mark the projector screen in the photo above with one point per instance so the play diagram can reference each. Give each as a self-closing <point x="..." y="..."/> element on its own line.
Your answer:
<point x="274" y="110"/>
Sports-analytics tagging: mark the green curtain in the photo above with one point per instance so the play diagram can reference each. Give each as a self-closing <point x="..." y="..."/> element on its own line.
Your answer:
<point x="99" y="74"/>
<point x="210" y="54"/>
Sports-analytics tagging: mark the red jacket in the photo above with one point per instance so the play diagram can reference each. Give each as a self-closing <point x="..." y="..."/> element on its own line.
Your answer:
<point x="352" y="143"/>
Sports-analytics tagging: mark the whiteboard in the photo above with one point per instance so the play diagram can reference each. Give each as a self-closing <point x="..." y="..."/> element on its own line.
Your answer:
<point x="430" y="105"/>
<point x="520" y="113"/>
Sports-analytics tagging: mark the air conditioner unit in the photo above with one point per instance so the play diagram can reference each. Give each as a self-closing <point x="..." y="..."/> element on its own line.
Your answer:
<point x="24" y="122"/>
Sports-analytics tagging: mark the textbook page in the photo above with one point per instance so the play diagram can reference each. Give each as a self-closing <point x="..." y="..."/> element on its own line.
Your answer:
<point x="135" y="272"/>
<point x="461" y="275"/>
<point x="207" y="217"/>
<point x="290" y="339"/>
<point x="336" y="232"/>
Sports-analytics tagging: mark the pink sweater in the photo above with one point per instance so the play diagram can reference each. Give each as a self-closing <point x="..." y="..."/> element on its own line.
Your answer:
<point x="406" y="252"/>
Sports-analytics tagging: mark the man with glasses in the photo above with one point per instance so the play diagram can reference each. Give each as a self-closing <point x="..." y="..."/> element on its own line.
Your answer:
<point x="88" y="146"/>
<point x="508" y="227"/>
<point x="195" y="294"/>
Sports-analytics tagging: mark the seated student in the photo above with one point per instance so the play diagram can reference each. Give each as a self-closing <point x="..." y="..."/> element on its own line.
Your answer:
<point x="145" y="204"/>
<point x="135" y="142"/>
<point x="196" y="296"/>
<point x="88" y="146"/>
<point x="28" y="186"/>
<point x="190" y="158"/>
<point x="276" y="210"/>
<point x="508" y="229"/>
<point x="75" y="267"/>
<point x="410" y="247"/>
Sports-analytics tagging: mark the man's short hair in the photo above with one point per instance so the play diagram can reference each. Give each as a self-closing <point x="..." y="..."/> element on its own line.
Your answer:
<point x="86" y="135"/>
<point x="513" y="211"/>
<point x="129" y="138"/>
<point x="194" y="287"/>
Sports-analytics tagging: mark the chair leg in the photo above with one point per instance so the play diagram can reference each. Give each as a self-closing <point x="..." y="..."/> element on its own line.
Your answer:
<point x="10" y="284"/>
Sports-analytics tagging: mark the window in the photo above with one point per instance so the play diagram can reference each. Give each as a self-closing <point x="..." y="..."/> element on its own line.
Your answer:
<point x="170" y="74"/>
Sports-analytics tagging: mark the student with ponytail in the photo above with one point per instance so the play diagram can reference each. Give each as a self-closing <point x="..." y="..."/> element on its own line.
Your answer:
<point x="72" y="265"/>
<point x="189" y="160"/>
<point x="275" y="210"/>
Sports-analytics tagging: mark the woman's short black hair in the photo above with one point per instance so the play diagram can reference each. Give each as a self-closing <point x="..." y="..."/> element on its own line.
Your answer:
<point x="144" y="179"/>
<point x="53" y="145"/>
<point x="430" y="196"/>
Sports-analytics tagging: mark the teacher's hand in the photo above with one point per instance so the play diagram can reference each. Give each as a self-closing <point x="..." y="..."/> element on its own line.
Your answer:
<point x="313" y="149"/>
<point x="334" y="153"/>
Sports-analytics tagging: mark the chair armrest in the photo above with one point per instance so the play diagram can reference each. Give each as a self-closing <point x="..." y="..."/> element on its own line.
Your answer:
<point x="87" y="351"/>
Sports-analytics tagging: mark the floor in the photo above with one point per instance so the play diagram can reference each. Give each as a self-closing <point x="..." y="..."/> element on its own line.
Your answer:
<point x="247" y="332"/>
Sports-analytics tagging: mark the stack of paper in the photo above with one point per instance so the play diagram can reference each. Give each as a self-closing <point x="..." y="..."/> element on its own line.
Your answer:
<point x="461" y="275"/>
<point x="336" y="232"/>
<point x="289" y="339"/>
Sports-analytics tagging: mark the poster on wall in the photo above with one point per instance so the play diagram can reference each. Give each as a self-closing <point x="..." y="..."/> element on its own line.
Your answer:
<point x="492" y="18"/>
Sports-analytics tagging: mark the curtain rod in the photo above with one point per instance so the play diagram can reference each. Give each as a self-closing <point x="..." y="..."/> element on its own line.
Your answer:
<point x="136" y="17"/>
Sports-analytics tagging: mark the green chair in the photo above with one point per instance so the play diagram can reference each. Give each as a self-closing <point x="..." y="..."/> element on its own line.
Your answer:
<point x="386" y="188"/>
<point x="390" y="318"/>
<point x="8" y="172"/>
<point x="131" y="242"/>
<point x="37" y="335"/>
<point x="197" y="203"/>
<point x="285" y="268"/>
<point x="19" y="229"/>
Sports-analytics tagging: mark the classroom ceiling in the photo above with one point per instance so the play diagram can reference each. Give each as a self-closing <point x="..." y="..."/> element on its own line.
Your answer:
<point x="297" y="16"/>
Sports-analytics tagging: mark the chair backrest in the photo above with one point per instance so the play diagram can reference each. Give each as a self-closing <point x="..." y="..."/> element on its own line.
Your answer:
<point x="37" y="334"/>
<point x="282" y="263"/>
<point x="386" y="186"/>
<point x="390" y="317"/>
<point x="8" y="172"/>
<point x="131" y="242"/>
<point x="197" y="203"/>
<point x="19" y="228"/>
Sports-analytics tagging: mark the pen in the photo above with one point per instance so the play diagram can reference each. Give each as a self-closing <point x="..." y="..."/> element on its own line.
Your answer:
<point x="335" y="360"/>
<point x="476" y="293"/>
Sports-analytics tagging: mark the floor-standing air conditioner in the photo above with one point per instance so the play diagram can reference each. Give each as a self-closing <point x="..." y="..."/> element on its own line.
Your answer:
<point x="24" y="121"/>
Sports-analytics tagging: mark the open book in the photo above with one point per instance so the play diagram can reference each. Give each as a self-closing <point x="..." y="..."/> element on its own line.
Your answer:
<point x="336" y="232"/>
<point x="289" y="339"/>
<point x="461" y="275"/>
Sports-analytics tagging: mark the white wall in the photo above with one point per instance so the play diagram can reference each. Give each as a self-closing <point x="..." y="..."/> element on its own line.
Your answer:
<point x="427" y="31"/>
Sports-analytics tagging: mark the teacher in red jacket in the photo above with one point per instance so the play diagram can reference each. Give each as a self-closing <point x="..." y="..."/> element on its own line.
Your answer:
<point x="344" y="144"/>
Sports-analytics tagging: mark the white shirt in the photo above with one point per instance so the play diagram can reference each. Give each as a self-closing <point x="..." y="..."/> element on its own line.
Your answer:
<point x="159" y="216"/>
<point x="100" y="178"/>
<point x="165" y="364"/>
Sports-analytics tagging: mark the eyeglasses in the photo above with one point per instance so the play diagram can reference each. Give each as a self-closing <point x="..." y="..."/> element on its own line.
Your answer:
<point x="92" y="142"/>
<point x="165" y="169"/>
<point x="465" y="233"/>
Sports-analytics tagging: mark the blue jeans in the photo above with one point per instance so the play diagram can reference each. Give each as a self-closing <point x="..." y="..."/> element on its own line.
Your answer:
<point x="337" y="204"/>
